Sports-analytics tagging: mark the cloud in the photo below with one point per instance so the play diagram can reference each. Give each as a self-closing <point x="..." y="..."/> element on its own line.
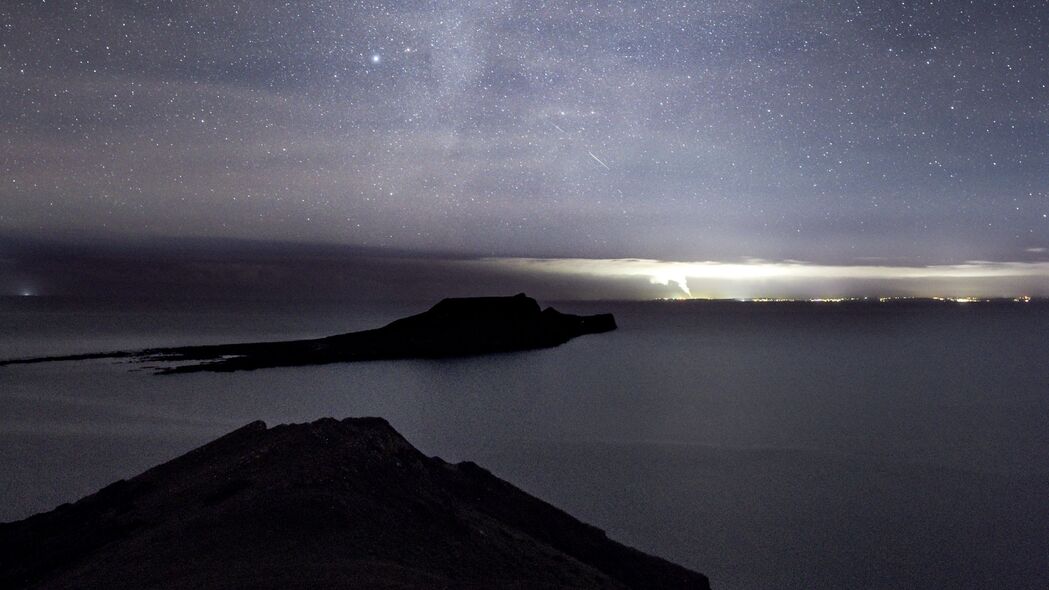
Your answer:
<point x="232" y="269"/>
<point x="758" y="278"/>
<point x="664" y="279"/>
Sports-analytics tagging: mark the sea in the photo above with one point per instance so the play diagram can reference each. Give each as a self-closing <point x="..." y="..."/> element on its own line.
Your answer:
<point x="767" y="445"/>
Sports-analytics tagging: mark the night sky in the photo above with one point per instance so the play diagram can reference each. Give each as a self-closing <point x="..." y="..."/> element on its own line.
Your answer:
<point x="759" y="135"/>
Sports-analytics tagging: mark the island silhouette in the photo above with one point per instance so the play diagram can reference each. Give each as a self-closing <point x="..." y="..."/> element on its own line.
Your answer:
<point x="453" y="327"/>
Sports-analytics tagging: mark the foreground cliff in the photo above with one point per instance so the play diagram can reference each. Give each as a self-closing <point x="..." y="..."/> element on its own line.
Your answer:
<point x="453" y="327"/>
<point x="323" y="505"/>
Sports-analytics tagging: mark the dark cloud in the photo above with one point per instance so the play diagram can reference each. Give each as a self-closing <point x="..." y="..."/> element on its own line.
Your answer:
<point x="223" y="269"/>
<point x="239" y="270"/>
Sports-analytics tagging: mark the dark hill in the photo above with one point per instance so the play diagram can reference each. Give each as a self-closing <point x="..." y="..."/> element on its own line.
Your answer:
<point x="453" y="327"/>
<point x="348" y="504"/>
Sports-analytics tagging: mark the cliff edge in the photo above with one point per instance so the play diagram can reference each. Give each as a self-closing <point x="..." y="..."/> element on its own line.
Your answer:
<point x="321" y="505"/>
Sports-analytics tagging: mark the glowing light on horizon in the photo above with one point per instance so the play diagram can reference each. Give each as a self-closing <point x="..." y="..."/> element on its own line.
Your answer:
<point x="762" y="275"/>
<point x="665" y="279"/>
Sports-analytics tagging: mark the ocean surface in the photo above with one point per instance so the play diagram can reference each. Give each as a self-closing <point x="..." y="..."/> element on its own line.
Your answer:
<point x="767" y="445"/>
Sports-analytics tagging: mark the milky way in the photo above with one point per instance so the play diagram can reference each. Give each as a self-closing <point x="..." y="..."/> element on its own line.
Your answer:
<point x="830" y="132"/>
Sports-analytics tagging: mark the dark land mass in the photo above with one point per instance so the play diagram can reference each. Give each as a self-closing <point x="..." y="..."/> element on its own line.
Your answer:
<point x="322" y="505"/>
<point x="452" y="328"/>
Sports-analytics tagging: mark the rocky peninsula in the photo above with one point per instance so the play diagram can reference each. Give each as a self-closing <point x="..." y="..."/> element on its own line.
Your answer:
<point x="451" y="328"/>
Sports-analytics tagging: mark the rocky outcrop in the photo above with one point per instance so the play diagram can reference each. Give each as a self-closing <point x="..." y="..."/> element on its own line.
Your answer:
<point x="453" y="327"/>
<point x="347" y="504"/>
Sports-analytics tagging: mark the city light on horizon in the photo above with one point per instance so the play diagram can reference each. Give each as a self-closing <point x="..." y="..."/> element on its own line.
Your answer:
<point x="757" y="280"/>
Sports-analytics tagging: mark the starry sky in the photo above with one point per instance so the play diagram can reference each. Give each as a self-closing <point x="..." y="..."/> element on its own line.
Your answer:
<point x="839" y="134"/>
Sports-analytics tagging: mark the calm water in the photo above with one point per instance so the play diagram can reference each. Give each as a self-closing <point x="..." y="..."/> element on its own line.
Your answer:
<point x="768" y="446"/>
